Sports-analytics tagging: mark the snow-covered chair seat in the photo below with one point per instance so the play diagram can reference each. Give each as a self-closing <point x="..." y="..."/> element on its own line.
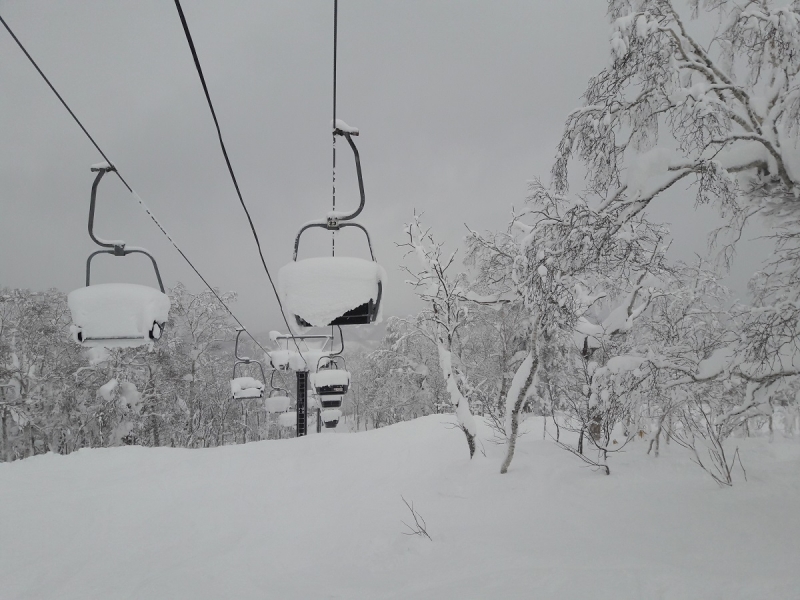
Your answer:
<point x="330" y="382"/>
<point x="332" y="290"/>
<point x="117" y="315"/>
<point x="243" y="388"/>
<point x="331" y="401"/>
<point x="331" y="418"/>
<point x="277" y="404"/>
<point x="288" y="419"/>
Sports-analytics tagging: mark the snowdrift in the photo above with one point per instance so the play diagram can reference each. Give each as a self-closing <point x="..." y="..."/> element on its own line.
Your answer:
<point x="322" y="517"/>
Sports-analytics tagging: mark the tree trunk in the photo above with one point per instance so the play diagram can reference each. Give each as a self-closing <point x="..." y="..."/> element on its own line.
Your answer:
<point x="517" y="408"/>
<point x="470" y="441"/>
<point x="191" y="404"/>
<point x="6" y="445"/>
<point x="32" y="441"/>
<point x="244" y="425"/>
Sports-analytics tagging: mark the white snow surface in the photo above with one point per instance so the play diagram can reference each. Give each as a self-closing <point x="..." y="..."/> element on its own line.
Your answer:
<point x="246" y="387"/>
<point x="321" y="289"/>
<point x="117" y="310"/>
<point x="277" y="404"/>
<point x="253" y="521"/>
<point x="327" y="377"/>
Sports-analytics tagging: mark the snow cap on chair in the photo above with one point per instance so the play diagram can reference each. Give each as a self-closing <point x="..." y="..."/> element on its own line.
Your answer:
<point x="287" y="419"/>
<point x="330" y="377"/>
<point x="246" y="387"/>
<point x="331" y="415"/>
<point x="117" y="310"/>
<point x="277" y="404"/>
<point x="321" y="289"/>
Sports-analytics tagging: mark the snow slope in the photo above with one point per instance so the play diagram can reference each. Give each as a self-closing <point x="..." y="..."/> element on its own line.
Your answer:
<point x="320" y="517"/>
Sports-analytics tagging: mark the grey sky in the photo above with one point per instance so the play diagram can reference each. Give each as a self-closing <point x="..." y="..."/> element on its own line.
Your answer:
<point x="459" y="104"/>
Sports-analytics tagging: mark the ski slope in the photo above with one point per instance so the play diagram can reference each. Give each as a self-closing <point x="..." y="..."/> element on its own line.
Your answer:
<point x="321" y="517"/>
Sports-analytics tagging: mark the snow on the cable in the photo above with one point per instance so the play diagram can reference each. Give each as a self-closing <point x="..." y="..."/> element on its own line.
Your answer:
<point x="329" y="377"/>
<point x="331" y="414"/>
<point x="110" y="310"/>
<point x="342" y="126"/>
<point x="287" y="419"/>
<point x="277" y="404"/>
<point x="321" y="289"/>
<point x="246" y="387"/>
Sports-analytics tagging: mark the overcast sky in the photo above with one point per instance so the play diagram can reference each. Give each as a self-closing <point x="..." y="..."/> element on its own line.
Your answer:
<point x="459" y="104"/>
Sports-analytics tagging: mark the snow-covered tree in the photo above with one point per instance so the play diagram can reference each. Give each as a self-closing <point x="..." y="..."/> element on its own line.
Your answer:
<point x="198" y="324"/>
<point x="548" y="262"/>
<point x="446" y="314"/>
<point x="705" y="93"/>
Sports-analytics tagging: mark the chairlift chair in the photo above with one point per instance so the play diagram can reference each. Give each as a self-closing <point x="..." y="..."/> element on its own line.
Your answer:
<point x="116" y="315"/>
<point x="246" y="388"/>
<point x="331" y="418"/>
<point x="277" y="402"/>
<point x="331" y="382"/>
<point x="331" y="401"/>
<point x="333" y="290"/>
<point x="288" y="419"/>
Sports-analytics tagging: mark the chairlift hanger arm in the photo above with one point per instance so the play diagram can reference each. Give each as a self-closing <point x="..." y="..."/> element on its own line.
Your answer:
<point x="348" y="136"/>
<point x="324" y="225"/>
<point x="101" y="171"/>
<point x="123" y="252"/>
<point x="243" y="359"/>
<point x="116" y="247"/>
<point x="248" y="362"/>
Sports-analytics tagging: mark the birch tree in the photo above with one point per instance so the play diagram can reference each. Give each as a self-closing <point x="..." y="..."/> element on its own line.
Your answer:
<point x="446" y="315"/>
<point x="704" y="93"/>
<point x="547" y="262"/>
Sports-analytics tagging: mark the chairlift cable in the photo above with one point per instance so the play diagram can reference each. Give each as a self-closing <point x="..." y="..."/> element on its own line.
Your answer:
<point x="125" y="183"/>
<point x="230" y="167"/>
<point x="333" y="175"/>
<point x="335" y="45"/>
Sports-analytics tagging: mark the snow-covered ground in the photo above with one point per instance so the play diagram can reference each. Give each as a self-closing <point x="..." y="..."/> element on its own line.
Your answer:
<point x="321" y="517"/>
